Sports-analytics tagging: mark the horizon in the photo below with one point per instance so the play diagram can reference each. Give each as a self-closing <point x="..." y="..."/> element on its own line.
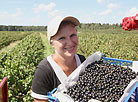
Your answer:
<point x="46" y="25"/>
<point x="39" y="13"/>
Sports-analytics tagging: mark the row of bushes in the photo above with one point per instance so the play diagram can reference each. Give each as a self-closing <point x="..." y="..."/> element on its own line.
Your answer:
<point x="18" y="65"/>
<point x="8" y="37"/>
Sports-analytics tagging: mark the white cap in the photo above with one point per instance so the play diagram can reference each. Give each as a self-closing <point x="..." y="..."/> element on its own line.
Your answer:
<point x="53" y="26"/>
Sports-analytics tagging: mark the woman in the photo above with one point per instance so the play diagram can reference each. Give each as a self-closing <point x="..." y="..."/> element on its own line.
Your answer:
<point x="55" y="69"/>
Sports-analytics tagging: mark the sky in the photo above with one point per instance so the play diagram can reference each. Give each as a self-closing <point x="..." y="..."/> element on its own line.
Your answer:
<point x="40" y="12"/>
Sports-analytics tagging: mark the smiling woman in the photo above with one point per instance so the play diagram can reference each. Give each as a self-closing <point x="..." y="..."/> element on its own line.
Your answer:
<point x="65" y="42"/>
<point x="56" y="68"/>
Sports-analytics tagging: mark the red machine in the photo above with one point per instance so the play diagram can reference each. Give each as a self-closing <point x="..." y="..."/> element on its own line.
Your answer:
<point x="130" y="23"/>
<point x="4" y="90"/>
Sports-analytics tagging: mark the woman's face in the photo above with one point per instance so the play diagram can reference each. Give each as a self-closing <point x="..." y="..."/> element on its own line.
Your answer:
<point x="65" y="42"/>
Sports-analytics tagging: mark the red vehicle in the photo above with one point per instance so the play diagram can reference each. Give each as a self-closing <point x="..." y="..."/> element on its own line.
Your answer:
<point x="130" y="23"/>
<point x="4" y="90"/>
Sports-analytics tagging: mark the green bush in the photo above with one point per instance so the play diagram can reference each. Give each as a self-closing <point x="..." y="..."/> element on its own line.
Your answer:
<point x="19" y="64"/>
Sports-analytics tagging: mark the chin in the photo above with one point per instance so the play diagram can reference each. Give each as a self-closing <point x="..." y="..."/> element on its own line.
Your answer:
<point x="70" y="54"/>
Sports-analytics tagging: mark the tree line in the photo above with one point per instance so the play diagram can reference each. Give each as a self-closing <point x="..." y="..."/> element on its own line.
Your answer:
<point x="95" y="26"/>
<point x="92" y="26"/>
<point x="22" y="28"/>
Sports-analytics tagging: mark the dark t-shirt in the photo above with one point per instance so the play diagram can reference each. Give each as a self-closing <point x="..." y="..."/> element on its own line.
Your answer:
<point x="45" y="79"/>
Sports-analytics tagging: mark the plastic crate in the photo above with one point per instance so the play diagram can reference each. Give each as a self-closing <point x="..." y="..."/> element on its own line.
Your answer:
<point x="122" y="62"/>
<point x="50" y="98"/>
<point x="134" y="89"/>
<point x="116" y="61"/>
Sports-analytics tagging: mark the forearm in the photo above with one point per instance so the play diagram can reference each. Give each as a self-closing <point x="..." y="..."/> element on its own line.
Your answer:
<point x="39" y="100"/>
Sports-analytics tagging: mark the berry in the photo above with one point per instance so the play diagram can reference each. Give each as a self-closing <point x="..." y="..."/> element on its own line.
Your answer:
<point x="101" y="81"/>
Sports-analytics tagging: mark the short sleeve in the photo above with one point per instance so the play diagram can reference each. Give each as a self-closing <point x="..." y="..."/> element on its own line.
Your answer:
<point x="41" y="83"/>
<point x="44" y="80"/>
<point x="82" y="58"/>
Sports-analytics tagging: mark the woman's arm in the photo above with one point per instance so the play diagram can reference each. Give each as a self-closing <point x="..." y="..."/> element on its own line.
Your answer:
<point x="39" y="100"/>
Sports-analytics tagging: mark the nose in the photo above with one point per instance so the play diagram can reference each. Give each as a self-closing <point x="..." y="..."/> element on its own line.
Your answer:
<point x="69" y="41"/>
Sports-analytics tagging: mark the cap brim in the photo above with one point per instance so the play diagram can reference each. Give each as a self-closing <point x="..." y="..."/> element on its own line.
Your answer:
<point x="72" y="19"/>
<point x="54" y="25"/>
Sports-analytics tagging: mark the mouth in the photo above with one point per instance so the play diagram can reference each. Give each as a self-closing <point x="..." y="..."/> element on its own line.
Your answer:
<point x="69" y="49"/>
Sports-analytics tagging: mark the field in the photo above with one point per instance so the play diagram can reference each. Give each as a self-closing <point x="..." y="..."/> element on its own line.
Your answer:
<point x="7" y="37"/>
<point x="114" y="43"/>
<point x="18" y="63"/>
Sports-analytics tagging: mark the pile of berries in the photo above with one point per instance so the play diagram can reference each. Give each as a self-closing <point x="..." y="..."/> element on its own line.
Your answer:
<point x="101" y="81"/>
